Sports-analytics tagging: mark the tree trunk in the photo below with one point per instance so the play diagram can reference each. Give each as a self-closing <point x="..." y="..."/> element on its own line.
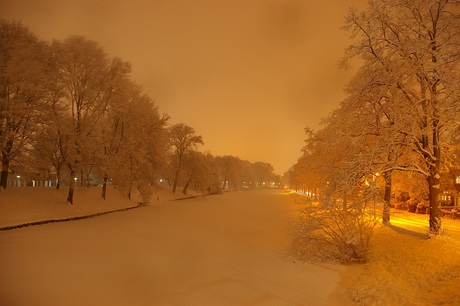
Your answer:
<point x="435" y="209"/>
<point x="71" y="187"/>
<point x="104" y="187"/>
<point x="58" y="177"/>
<point x="386" y="198"/>
<point x="130" y="189"/>
<point x="434" y="180"/>
<point x="176" y="177"/>
<point x="5" y="164"/>
<point x="82" y="179"/>
<point x="4" y="174"/>
<point x="184" y="191"/>
<point x="224" y="183"/>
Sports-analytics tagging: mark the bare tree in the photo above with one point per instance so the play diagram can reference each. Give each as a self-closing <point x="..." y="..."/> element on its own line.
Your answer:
<point x="416" y="47"/>
<point x="183" y="140"/>
<point x="334" y="172"/>
<point x="229" y="167"/>
<point x="86" y="77"/>
<point x="22" y="65"/>
<point x="370" y="115"/>
<point x="133" y="141"/>
<point x="46" y="151"/>
<point x="200" y="171"/>
<point x="263" y="173"/>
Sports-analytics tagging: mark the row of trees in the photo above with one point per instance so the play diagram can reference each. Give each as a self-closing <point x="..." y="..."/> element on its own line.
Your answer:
<point x="68" y="108"/>
<point x="211" y="174"/>
<point x="402" y="111"/>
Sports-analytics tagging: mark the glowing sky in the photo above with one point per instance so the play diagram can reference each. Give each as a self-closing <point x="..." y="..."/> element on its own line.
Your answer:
<point x="248" y="75"/>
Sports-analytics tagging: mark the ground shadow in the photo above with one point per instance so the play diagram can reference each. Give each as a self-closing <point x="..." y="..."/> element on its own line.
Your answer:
<point x="405" y="231"/>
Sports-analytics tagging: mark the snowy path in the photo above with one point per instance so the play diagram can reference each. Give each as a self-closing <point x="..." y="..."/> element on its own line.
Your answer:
<point x="228" y="249"/>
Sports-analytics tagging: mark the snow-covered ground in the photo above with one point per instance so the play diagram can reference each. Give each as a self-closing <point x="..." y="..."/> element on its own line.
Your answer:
<point x="228" y="249"/>
<point x="406" y="268"/>
<point x="28" y="205"/>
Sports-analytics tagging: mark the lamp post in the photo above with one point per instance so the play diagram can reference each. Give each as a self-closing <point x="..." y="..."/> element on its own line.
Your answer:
<point x="19" y="180"/>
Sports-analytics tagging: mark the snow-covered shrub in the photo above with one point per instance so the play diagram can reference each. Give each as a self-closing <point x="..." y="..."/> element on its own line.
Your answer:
<point x="422" y="207"/>
<point x="145" y="192"/>
<point x="336" y="233"/>
<point x="400" y="202"/>
<point x="412" y="205"/>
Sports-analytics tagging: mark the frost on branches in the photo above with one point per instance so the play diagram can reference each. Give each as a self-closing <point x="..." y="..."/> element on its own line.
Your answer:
<point x="333" y="232"/>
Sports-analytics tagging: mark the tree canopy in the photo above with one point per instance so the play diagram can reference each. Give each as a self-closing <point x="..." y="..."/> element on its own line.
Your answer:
<point x="71" y="113"/>
<point x="403" y="105"/>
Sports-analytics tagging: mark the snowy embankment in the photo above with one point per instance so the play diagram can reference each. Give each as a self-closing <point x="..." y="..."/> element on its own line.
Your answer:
<point x="21" y="207"/>
<point x="406" y="268"/>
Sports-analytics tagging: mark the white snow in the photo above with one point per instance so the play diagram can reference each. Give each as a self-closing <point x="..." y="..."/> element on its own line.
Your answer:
<point x="406" y="268"/>
<point x="229" y="249"/>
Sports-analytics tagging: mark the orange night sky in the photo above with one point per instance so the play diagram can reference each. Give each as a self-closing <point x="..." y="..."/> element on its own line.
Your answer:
<point x="248" y="75"/>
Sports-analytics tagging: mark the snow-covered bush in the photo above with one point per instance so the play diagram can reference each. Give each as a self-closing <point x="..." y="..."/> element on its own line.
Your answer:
<point x="326" y="232"/>
<point x="400" y="201"/>
<point x="422" y="207"/>
<point x="412" y="205"/>
<point x="145" y="192"/>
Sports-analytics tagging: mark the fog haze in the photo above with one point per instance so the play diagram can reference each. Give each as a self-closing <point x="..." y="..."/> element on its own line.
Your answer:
<point x="249" y="76"/>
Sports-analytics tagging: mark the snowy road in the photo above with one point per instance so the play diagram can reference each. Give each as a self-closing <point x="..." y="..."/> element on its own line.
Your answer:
<point x="228" y="249"/>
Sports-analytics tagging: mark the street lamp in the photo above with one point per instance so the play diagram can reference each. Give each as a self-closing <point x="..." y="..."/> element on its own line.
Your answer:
<point x="19" y="180"/>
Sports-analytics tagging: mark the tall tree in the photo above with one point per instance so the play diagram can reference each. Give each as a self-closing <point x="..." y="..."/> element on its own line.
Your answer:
<point x="183" y="140"/>
<point x="229" y="167"/>
<point x="22" y="66"/>
<point x="416" y="44"/>
<point x="370" y="115"/>
<point x="263" y="173"/>
<point x="46" y="152"/>
<point x="201" y="173"/>
<point x="134" y="142"/>
<point x="87" y="79"/>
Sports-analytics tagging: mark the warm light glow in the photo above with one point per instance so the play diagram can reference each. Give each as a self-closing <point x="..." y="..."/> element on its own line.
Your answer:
<point x="404" y="221"/>
<point x="189" y="85"/>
